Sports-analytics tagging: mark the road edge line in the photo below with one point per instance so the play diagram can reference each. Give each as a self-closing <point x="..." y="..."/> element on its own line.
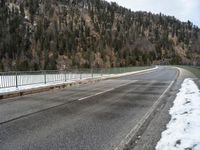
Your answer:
<point x="144" y="122"/>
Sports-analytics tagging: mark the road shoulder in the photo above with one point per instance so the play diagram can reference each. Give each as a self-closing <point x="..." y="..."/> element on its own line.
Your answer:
<point x="152" y="133"/>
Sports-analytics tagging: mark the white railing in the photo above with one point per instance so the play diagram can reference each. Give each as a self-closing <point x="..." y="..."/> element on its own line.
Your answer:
<point x="24" y="78"/>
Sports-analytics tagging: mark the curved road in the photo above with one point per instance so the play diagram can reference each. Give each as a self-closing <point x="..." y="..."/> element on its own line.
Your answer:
<point x="88" y="117"/>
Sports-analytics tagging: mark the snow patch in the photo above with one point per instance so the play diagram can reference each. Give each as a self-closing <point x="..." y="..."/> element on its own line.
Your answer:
<point x="183" y="130"/>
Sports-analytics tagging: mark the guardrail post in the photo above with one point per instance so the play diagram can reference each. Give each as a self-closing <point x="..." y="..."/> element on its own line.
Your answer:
<point x="92" y="72"/>
<point x="69" y="77"/>
<point x="16" y="80"/>
<point x="45" y="77"/>
<point x="80" y="75"/>
<point x="65" y="75"/>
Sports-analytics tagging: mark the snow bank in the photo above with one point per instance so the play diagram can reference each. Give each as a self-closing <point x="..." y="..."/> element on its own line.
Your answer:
<point x="183" y="131"/>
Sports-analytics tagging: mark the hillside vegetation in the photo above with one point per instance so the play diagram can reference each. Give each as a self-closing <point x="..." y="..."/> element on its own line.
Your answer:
<point x="62" y="34"/>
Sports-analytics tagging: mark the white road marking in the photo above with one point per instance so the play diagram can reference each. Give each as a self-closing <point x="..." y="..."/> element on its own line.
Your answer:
<point x="80" y="99"/>
<point x="134" y="130"/>
<point x="95" y="94"/>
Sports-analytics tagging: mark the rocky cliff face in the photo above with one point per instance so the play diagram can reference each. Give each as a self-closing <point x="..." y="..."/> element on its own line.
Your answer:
<point x="61" y="34"/>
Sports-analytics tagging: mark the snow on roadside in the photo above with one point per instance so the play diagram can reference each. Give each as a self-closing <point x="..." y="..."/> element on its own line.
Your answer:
<point x="183" y="131"/>
<point x="38" y="79"/>
<point x="37" y="85"/>
<point x="28" y="87"/>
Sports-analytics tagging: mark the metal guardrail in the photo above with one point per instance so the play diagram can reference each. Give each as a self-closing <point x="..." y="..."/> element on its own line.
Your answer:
<point x="24" y="78"/>
<point x="16" y="79"/>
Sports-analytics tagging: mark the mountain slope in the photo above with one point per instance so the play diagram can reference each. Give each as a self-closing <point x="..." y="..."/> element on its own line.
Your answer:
<point x="49" y="34"/>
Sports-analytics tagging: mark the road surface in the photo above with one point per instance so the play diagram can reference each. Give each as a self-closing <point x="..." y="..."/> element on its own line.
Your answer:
<point x="89" y="117"/>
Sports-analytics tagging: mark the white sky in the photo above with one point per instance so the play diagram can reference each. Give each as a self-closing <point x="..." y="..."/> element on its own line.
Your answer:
<point x="182" y="9"/>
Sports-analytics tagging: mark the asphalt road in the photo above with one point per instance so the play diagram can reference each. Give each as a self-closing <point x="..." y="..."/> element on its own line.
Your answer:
<point x="88" y="117"/>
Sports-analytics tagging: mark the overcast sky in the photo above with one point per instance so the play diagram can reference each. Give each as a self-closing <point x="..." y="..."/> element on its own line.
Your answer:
<point x="182" y="9"/>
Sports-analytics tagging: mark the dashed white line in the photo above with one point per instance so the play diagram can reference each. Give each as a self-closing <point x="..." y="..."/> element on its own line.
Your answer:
<point x="96" y="94"/>
<point x="80" y="99"/>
